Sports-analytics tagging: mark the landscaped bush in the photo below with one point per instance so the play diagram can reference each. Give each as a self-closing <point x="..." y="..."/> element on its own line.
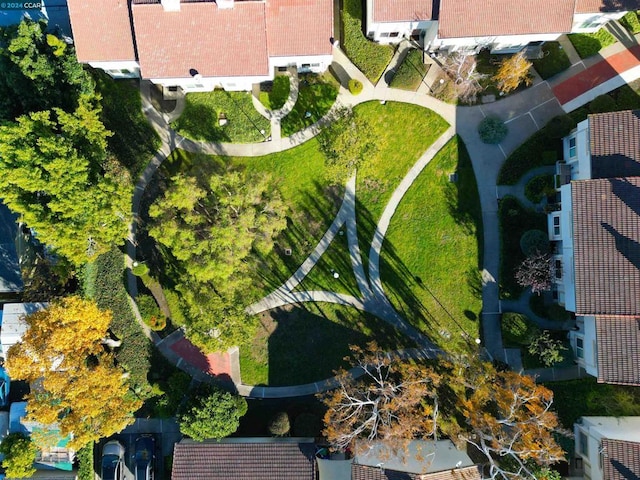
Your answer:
<point x="200" y="119"/>
<point x="307" y="425"/>
<point x="602" y="103"/>
<point x="547" y="349"/>
<point x="84" y="458"/>
<point x="355" y="86"/>
<point x="140" y="269"/>
<point x="631" y="23"/>
<point x="550" y="311"/>
<point x="277" y="97"/>
<point x="177" y="315"/>
<point x="411" y="72"/>
<point x="560" y="126"/>
<point x="492" y="130"/>
<point x="150" y="312"/>
<point x="316" y="95"/>
<point x="534" y="241"/>
<point x="170" y="393"/>
<point x="555" y="60"/>
<point x="517" y="329"/>
<point x="626" y="98"/>
<point x="279" y="424"/>
<point x="371" y="58"/>
<point x="588" y="44"/>
<point x="539" y="187"/>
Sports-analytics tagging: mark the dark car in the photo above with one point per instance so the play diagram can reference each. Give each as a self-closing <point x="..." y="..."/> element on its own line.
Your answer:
<point x="112" y="461"/>
<point x="145" y="446"/>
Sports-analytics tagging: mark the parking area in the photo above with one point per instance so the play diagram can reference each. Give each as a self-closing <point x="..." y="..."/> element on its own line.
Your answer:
<point x="164" y="432"/>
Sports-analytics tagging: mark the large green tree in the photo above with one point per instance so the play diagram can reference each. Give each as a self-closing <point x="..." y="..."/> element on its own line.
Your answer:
<point x="55" y="173"/>
<point x="211" y="226"/>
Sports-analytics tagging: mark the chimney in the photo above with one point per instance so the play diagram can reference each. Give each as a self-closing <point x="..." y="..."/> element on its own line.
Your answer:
<point x="224" y="3"/>
<point x="171" y="5"/>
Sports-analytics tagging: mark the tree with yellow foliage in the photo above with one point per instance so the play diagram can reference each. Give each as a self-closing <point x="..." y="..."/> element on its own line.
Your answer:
<point x="512" y="72"/>
<point x="74" y="380"/>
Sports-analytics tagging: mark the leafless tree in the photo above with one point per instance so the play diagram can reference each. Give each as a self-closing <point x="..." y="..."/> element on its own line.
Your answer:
<point x="535" y="272"/>
<point x="462" y="71"/>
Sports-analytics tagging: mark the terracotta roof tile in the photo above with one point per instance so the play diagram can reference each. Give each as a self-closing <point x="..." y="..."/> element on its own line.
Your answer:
<point x="480" y="18"/>
<point x="621" y="459"/>
<point x="618" y="346"/>
<point x="615" y="144"/>
<point x="299" y="27"/>
<point x="402" y="10"/>
<point x="363" y="472"/>
<point x="215" y="42"/>
<point x="606" y="236"/>
<point x="101" y="30"/>
<point x="243" y="461"/>
<point x="596" y="6"/>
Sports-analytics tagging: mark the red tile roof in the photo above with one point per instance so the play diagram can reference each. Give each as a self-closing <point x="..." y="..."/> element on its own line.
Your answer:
<point x="243" y="461"/>
<point x="402" y="10"/>
<point x="596" y="6"/>
<point x="615" y="144"/>
<point x="621" y="459"/>
<point x="299" y="27"/>
<point x="618" y="347"/>
<point x="214" y="42"/>
<point x="101" y="30"/>
<point x="363" y="472"/>
<point x="481" y="18"/>
<point x="606" y="236"/>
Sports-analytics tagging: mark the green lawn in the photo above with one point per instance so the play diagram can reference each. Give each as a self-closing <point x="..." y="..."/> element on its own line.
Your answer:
<point x="307" y="343"/>
<point x="371" y="58"/>
<point x="316" y="95"/>
<point x="134" y="141"/>
<point x="555" y="60"/>
<point x="200" y="118"/>
<point x="430" y="261"/>
<point x="588" y="44"/>
<point x="276" y="98"/>
<point x="411" y="72"/>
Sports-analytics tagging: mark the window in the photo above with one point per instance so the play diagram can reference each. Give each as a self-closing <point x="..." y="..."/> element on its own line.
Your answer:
<point x="556" y="226"/>
<point x="394" y="34"/>
<point x="306" y="65"/>
<point x="584" y="444"/>
<point x="572" y="147"/>
<point x="579" y="347"/>
<point x="384" y="34"/>
<point x="558" y="268"/>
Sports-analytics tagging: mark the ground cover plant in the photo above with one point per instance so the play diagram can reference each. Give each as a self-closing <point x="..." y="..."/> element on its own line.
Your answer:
<point x="316" y="95"/>
<point x="411" y="72"/>
<point x="515" y="221"/>
<point x="371" y="58"/>
<point x="588" y="44"/>
<point x="200" y="119"/>
<point x="554" y="61"/>
<point x="430" y="256"/>
<point x="278" y="95"/>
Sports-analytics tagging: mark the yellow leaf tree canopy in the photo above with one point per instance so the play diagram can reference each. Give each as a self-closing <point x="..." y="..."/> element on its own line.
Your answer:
<point x="74" y="381"/>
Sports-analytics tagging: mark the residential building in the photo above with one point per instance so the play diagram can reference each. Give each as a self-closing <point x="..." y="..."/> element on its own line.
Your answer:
<point x="204" y="44"/>
<point x="502" y="26"/>
<point x="608" y="448"/>
<point x="596" y="235"/>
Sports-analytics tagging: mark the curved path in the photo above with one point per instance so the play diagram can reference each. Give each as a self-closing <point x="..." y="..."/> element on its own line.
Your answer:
<point x="524" y="113"/>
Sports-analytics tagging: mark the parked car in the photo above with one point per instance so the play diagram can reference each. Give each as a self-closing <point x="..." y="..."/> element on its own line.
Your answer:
<point x="112" y="461"/>
<point x="144" y="457"/>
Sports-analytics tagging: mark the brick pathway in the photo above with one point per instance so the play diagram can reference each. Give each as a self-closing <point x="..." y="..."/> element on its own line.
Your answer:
<point x="213" y="363"/>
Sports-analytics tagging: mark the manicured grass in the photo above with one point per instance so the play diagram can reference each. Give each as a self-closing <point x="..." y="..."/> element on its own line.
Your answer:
<point x="430" y="257"/>
<point x="631" y="23"/>
<point x="555" y="60"/>
<point x="276" y="98"/>
<point x="316" y="95"/>
<point x="134" y="141"/>
<point x="588" y="44"/>
<point x="200" y="119"/>
<point x="517" y="330"/>
<point x="539" y="187"/>
<point x="371" y="58"/>
<point x="515" y="220"/>
<point x="411" y="72"/>
<point x="308" y="343"/>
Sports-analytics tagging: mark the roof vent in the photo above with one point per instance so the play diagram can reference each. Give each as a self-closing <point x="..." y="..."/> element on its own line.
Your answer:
<point x="170" y="5"/>
<point x="224" y="3"/>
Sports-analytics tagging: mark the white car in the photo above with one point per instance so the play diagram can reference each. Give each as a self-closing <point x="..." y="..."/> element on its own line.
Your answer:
<point x="112" y="461"/>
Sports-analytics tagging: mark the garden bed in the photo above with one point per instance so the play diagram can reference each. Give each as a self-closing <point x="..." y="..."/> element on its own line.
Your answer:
<point x="555" y="60"/>
<point x="589" y="44"/>
<point x="411" y="72"/>
<point x="273" y="95"/>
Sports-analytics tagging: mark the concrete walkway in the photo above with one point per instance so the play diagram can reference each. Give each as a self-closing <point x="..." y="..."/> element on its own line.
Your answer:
<point x="524" y="113"/>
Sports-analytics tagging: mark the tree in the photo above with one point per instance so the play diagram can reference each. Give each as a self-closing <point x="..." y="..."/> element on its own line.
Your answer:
<point x="461" y="69"/>
<point x="346" y="142"/>
<point x="74" y="381"/>
<point x="546" y="348"/>
<point x="19" y="454"/>
<point x="535" y="272"/>
<point x="211" y="226"/>
<point x="507" y="417"/>
<point x="492" y="130"/>
<point x="54" y="172"/>
<point x="513" y="71"/>
<point x="394" y="401"/>
<point x="279" y="424"/>
<point x="211" y="413"/>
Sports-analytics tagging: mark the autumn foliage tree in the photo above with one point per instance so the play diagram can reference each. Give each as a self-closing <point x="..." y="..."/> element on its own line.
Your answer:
<point x="74" y="380"/>
<point x="19" y="454"/>
<point x="512" y="72"/>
